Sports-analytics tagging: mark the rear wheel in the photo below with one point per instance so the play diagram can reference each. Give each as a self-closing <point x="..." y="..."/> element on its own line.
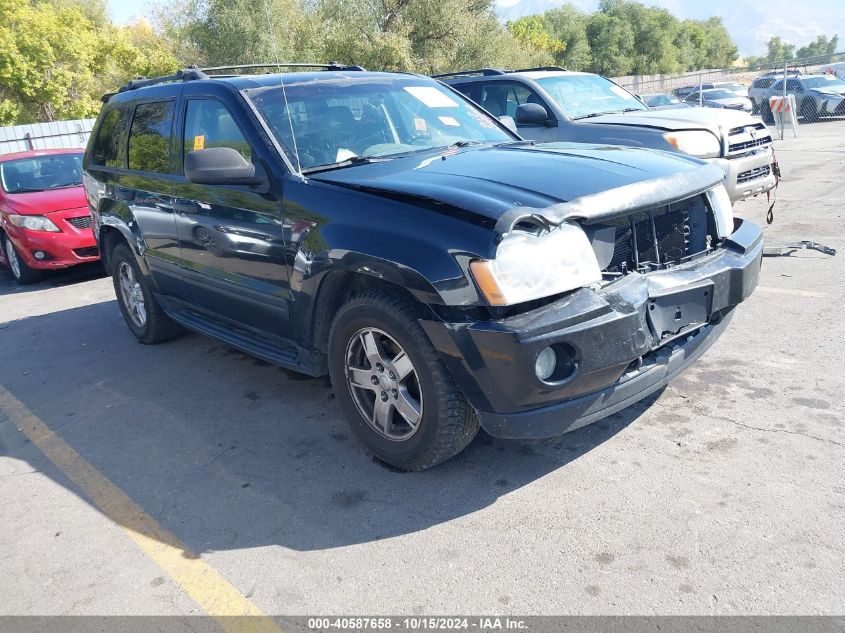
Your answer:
<point x="140" y="309"/>
<point x="21" y="272"/>
<point x="392" y="387"/>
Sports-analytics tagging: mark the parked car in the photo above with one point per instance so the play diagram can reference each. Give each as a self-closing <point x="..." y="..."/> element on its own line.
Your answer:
<point x="732" y="86"/>
<point x="682" y="92"/>
<point x="719" y="98"/>
<point x="664" y="100"/>
<point x="760" y="86"/>
<point x="444" y="272"/>
<point x="816" y="96"/>
<point x="557" y="105"/>
<point x="45" y="223"/>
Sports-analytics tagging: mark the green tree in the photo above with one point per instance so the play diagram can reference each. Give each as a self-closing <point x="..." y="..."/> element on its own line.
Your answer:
<point x="611" y="40"/>
<point x="779" y="50"/>
<point x="57" y="58"/>
<point x="568" y="25"/>
<point x="821" y="47"/>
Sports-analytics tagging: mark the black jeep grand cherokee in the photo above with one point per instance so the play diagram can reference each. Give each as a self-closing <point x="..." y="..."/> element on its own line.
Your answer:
<point x="382" y="229"/>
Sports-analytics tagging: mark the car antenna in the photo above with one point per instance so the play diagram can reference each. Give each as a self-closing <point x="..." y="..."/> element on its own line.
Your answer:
<point x="282" y="81"/>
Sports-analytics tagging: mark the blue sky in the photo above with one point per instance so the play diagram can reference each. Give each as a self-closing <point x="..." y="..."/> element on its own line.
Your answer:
<point x="750" y="22"/>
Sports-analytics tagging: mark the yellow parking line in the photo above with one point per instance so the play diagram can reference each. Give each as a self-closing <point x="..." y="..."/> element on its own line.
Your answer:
<point x="195" y="577"/>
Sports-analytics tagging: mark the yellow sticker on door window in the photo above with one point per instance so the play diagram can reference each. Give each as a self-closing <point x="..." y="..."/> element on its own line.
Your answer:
<point x="199" y="142"/>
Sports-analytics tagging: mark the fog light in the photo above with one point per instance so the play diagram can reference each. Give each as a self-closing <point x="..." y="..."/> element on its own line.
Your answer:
<point x="545" y="365"/>
<point x="39" y="255"/>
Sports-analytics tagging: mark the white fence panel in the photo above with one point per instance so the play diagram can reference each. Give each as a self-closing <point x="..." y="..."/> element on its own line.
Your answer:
<point x="52" y="135"/>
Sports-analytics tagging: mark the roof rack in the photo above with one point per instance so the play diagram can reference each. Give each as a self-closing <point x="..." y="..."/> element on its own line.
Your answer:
<point x="188" y="74"/>
<point x="329" y="66"/>
<point x="487" y="72"/>
<point x="481" y="71"/>
<point x="528" y="70"/>
<point x="192" y="73"/>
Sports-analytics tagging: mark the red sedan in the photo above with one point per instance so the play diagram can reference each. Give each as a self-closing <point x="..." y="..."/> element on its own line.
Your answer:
<point x="44" y="218"/>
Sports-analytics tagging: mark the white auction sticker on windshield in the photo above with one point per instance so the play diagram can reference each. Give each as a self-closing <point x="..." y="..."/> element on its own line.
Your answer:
<point x="431" y="97"/>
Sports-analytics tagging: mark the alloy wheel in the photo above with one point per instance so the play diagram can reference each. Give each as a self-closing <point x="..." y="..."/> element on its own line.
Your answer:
<point x="12" y="258"/>
<point x="384" y="384"/>
<point x="132" y="295"/>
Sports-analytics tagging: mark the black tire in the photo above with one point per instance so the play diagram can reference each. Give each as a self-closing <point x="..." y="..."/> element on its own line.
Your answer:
<point x="20" y="271"/>
<point x="808" y="111"/>
<point x="447" y="423"/>
<point x="766" y="113"/>
<point x="156" y="326"/>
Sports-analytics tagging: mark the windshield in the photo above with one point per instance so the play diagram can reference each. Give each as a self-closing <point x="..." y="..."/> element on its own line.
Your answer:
<point x="584" y="95"/>
<point x="716" y="94"/>
<point x="328" y="121"/>
<point x="40" y="173"/>
<point x="828" y="81"/>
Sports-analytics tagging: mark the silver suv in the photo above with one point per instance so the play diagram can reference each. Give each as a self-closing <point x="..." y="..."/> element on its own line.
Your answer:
<point x="816" y="96"/>
<point x="552" y="104"/>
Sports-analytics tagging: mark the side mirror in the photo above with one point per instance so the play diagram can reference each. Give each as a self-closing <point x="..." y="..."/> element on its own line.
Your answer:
<point x="531" y="114"/>
<point x="508" y="122"/>
<point x="220" y="166"/>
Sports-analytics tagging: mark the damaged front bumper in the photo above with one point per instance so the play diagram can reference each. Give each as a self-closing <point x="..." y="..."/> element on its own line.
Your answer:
<point x="616" y="345"/>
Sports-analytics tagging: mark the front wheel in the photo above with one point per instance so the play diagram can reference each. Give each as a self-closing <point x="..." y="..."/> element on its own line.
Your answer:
<point x="392" y="387"/>
<point x="21" y="272"/>
<point x="140" y="309"/>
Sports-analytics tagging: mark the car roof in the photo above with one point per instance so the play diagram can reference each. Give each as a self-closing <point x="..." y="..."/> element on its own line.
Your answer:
<point x="510" y="74"/>
<point x="246" y="82"/>
<point x="31" y="153"/>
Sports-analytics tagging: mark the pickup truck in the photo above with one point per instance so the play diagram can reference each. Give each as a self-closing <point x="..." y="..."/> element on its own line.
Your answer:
<point x="552" y="104"/>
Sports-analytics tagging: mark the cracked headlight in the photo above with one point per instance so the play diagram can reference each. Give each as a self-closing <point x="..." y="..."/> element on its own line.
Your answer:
<point x="528" y="267"/>
<point x="695" y="143"/>
<point x="34" y="223"/>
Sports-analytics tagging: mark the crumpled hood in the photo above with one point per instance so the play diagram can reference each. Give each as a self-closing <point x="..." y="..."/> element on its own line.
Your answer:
<point x="490" y="181"/>
<point x="44" y="202"/>
<point x="830" y="91"/>
<point x="713" y="119"/>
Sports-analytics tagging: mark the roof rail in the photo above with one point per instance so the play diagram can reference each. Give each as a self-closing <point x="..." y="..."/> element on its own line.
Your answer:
<point x="188" y="74"/>
<point x="462" y="73"/>
<point x="528" y="70"/>
<point x="329" y="66"/>
<point x="192" y="73"/>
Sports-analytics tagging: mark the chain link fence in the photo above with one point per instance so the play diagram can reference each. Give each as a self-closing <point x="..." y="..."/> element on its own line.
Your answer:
<point x="814" y="87"/>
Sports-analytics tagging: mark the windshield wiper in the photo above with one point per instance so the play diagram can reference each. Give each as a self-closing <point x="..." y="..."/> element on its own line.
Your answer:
<point x="595" y="114"/>
<point x="66" y="184"/>
<point x="458" y="144"/>
<point x="349" y="162"/>
<point x="25" y="190"/>
<point x="515" y="143"/>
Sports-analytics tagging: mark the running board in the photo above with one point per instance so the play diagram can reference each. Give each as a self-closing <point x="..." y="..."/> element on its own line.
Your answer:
<point x="273" y="350"/>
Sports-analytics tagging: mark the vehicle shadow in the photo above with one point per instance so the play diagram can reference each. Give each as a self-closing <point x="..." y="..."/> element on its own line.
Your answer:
<point x="228" y="452"/>
<point x="52" y="278"/>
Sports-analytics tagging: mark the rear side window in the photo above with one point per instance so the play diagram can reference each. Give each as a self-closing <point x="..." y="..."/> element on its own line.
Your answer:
<point x="108" y="147"/>
<point x="149" y="137"/>
<point x="209" y="124"/>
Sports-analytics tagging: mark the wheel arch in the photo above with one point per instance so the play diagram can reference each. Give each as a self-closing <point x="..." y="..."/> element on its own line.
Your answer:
<point x="332" y="290"/>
